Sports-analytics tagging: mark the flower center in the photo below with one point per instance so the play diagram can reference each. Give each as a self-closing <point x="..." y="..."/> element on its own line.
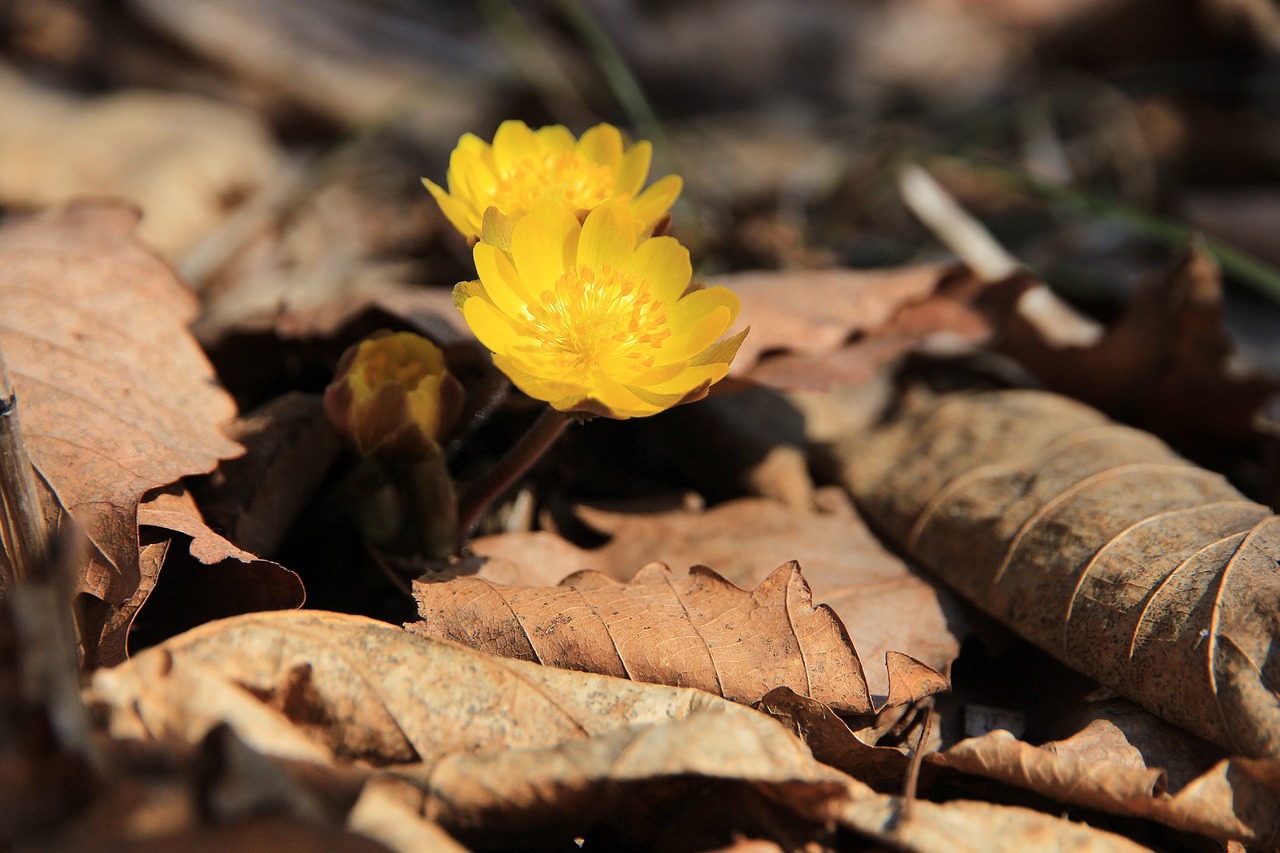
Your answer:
<point x="598" y="319"/>
<point x="564" y="177"/>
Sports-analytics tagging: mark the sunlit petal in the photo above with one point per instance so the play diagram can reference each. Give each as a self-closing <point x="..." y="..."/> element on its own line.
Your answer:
<point x="513" y="142"/>
<point x="608" y="236"/>
<point x="662" y="262"/>
<point x="634" y="169"/>
<point x="502" y="283"/>
<point x="543" y="245"/>
<point x="492" y="328"/>
<point x="602" y="144"/>
<point x="652" y="204"/>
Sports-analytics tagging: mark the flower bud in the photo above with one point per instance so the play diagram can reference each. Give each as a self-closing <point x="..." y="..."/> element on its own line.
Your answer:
<point x="393" y="399"/>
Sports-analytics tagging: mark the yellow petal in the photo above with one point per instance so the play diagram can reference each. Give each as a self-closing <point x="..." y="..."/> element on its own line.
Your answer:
<point x="491" y="327"/>
<point x="535" y="385"/>
<point x="689" y="379"/>
<point x="664" y="263"/>
<point x="543" y="245"/>
<point x="602" y="144"/>
<point x="634" y="169"/>
<point x="653" y="203"/>
<point x="621" y="402"/>
<point x="722" y="352"/>
<point x="455" y="211"/>
<point x="555" y="137"/>
<point x="608" y="236"/>
<point x="691" y="308"/>
<point x="513" y="142"/>
<point x="502" y="283"/>
<point x="691" y="341"/>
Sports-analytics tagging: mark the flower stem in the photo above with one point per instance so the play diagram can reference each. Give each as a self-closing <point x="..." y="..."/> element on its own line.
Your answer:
<point x="528" y="450"/>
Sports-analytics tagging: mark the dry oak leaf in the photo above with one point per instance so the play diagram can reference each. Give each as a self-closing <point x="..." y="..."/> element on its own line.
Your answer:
<point x="490" y="748"/>
<point x="1095" y="542"/>
<point x="883" y="602"/>
<point x="115" y="396"/>
<point x="691" y="630"/>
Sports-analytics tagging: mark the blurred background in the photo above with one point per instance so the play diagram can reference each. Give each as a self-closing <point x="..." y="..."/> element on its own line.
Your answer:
<point x="276" y="148"/>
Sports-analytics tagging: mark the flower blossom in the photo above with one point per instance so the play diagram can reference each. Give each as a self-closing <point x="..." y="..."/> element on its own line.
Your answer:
<point x="524" y="167"/>
<point x="592" y="320"/>
<point x="393" y="399"/>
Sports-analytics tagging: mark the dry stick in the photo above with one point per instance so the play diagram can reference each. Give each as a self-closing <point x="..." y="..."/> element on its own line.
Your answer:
<point x="913" y="769"/>
<point x="40" y="590"/>
<point x="23" y="531"/>
<point x="482" y="493"/>
<point x="974" y="245"/>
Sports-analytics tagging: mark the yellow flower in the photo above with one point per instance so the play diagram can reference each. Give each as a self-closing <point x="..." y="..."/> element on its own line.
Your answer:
<point x="392" y="398"/>
<point x="524" y="167"/>
<point x="586" y="318"/>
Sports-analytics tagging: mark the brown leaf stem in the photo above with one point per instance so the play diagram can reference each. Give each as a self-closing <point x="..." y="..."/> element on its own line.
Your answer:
<point x="528" y="450"/>
<point x="22" y="525"/>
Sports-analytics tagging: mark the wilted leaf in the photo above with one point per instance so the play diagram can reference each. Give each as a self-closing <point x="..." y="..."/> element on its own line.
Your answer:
<point x="116" y="396"/>
<point x="181" y="158"/>
<point x="816" y="312"/>
<point x="505" y="746"/>
<point x="882" y="602"/>
<point x="693" y="630"/>
<point x="208" y="578"/>
<point x="967" y="825"/>
<point x="1094" y="541"/>
<point x="1166" y="365"/>
<point x="1235" y="799"/>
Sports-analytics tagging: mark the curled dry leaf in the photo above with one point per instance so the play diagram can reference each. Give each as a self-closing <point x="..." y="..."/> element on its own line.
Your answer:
<point x="1166" y="365"/>
<point x="1097" y="543"/>
<point x="692" y="630"/>
<point x="493" y="749"/>
<point x="116" y="396"/>
<point x="810" y="316"/>
<point x="1235" y="799"/>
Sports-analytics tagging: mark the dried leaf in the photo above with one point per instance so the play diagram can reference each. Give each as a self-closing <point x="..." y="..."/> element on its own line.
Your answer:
<point x="505" y="747"/>
<point x="696" y="630"/>
<point x="1236" y="798"/>
<point x="815" y="312"/>
<point x="116" y="396"/>
<point x="963" y="824"/>
<point x="882" y="602"/>
<point x="1166" y="365"/>
<point x="181" y="158"/>
<point x="1094" y="541"/>
<point x="207" y="579"/>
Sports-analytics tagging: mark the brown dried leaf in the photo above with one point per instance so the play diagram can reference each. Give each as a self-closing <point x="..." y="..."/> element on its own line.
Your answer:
<point x="1100" y="768"/>
<point x="116" y="396"/>
<point x="1094" y="541"/>
<point x="1164" y="366"/>
<point x="884" y="604"/>
<point x="506" y="747"/>
<point x="696" y="630"/>
<point x="207" y="579"/>
<point x="181" y="158"/>
<point x="968" y="825"/>
<point x="816" y="311"/>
